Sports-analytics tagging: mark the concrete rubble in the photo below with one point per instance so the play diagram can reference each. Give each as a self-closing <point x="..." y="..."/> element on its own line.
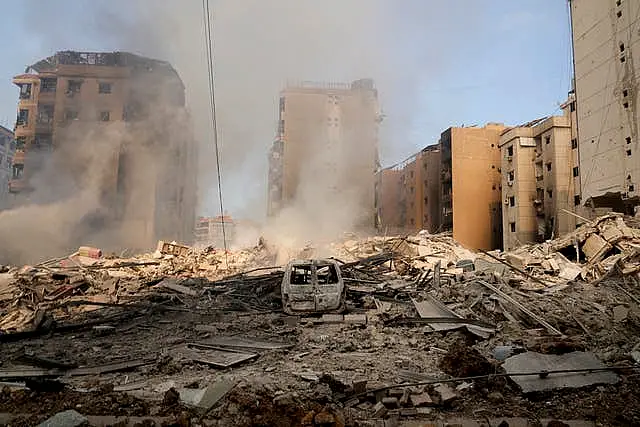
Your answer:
<point x="432" y="332"/>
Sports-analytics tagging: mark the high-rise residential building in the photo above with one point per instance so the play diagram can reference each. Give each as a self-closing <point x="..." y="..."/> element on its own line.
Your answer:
<point x="539" y="171"/>
<point x="470" y="194"/>
<point x="327" y="147"/>
<point x="128" y="110"/>
<point x="606" y="54"/>
<point x="7" y="150"/>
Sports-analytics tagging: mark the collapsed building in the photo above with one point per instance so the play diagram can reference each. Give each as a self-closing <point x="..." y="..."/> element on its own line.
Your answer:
<point x="114" y="125"/>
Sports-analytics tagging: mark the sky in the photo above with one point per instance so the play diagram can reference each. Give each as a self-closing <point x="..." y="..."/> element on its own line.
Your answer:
<point x="436" y="65"/>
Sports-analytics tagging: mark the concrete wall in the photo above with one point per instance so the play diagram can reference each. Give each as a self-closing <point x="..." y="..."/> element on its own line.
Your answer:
<point x="7" y="150"/>
<point x="475" y="170"/>
<point x="389" y="191"/>
<point x="607" y="52"/>
<point x="431" y="190"/>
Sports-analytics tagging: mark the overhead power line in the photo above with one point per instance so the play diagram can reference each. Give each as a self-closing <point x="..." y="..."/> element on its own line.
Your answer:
<point x="212" y="104"/>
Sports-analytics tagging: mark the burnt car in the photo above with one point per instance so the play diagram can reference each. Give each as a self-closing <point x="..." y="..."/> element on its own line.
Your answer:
<point x="313" y="286"/>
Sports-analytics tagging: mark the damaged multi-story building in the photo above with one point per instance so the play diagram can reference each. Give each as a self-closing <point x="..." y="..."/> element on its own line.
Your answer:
<point x="114" y="125"/>
<point x="7" y="151"/>
<point x="539" y="171"/>
<point x="326" y="148"/>
<point x="606" y="51"/>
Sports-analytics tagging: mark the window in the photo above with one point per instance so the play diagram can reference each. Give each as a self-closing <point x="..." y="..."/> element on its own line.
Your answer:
<point x="547" y="139"/>
<point x="575" y="171"/>
<point x="18" y="169"/>
<point x="623" y="59"/>
<point x="619" y="14"/>
<point x="48" y="85"/>
<point x="301" y="275"/>
<point x="23" y="118"/>
<point x="512" y="201"/>
<point x="73" y="86"/>
<point x="512" y="226"/>
<point x="20" y="142"/>
<point x="574" y="143"/>
<point x="327" y="274"/>
<point x="510" y="150"/>
<point x="412" y="221"/>
<point x="511" y="176"/>
<point x="104" y="116"/>
<point x="625" y="104"/>
<point x="104" y="87"/>
<point x="572" y="106"/>
<point x="548" y="165"/>
<point x="550" y="194"/>
<point x="71" y="115"/>
<point x="625" y="93"/>
<point x="45" y="114"/>
<point x="493" y="166"/>
<point x="576" y="200"/>
<point x="621" y="47"/>
<point x="628" y="139"/>
<point x="42" y="142"/>
<point x="628" y="152"/>
<point x="25" y="91"/>
<point x="631" y="188"/>
<point x="618" y="2"/>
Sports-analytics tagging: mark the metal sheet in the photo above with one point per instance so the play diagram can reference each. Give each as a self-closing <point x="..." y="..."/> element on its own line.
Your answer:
<point x="536" y="362"/>
<point x="219" y="358"/>
<point x="244" y="342"/>
<point x="432" y="308"/>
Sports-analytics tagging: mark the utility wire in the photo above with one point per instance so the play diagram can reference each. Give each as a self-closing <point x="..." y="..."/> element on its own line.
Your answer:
<point x="212" y="104"/>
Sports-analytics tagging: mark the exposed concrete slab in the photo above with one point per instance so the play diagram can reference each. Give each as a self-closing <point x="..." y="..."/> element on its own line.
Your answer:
<point x="536" y="362"/>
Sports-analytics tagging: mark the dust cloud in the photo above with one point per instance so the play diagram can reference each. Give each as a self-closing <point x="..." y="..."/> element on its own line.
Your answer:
<point x="260" y="46"/>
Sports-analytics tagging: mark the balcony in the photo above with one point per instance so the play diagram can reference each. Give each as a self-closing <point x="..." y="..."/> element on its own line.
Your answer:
<point x="44" y="125"/>
<point x="18" y="158"/>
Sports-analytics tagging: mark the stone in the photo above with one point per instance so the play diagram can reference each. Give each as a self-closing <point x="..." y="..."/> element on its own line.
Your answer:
<point x="359" y="386"/>
<point x="355" y="319"/>
<point x="620" y="313"/>
<point x="408" y="412"/>
<point x="379" y="410"/>
<point x="406" y="396"/>
<point x="424" y="411"/>
<point x="332" y="318"/>
<point x="445" y="394"/>
<point x="68" y="418"/>
<point x="422" y="399"/>
<point x="495" y="397"/>
<point x="390" y="402"/>
<point x="324" y="418"/>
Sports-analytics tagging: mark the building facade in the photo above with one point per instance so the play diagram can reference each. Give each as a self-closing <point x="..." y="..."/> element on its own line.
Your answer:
<point x="606" y="54"/>
<point x="539" y="171"/>
<point x="469" y="180"/>
<point x="111" y="124"/>
<point x="209" y="231"/>
<point x="388" y="204"/>
<point x="7" y="150"/>
<point x="327" y="144"/>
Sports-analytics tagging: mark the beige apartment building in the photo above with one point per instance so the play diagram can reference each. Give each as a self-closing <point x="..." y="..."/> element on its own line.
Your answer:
<point x="130" y="112"/>
<point x="606" y="53"/>
<point x="538" y="181"/>
<point x="470" y="194"/>
<point x="327" y="148"/>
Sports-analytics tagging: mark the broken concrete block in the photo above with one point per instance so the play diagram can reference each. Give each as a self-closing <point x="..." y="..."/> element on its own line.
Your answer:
<point x="359" y="386"/>
<point x="379" y="410"/>
<point x="444" y="394"/>
<point x="173" y="248"/>
<point x="424" y="411"/>
<point x="355" y="319"/>
<point x="612" y="234"/>
<point x="406" y="397"/>
<point x="408" y="412"/>
<point x="332" y="318"/>
<point x="422" y="399"/>
<point x="390" y="402"/>
<point x="620" y="313"/>
<point x="68" y="418"/>
<point x="516" y="260"/>
<point x="595" y="246"/>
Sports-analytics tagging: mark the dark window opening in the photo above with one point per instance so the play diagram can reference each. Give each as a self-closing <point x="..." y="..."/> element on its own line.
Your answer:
<point x="104" y="87"/>
<point x="623" y="59"/>
<point x="631" y="188"/>
<point x="73" y="86"/>
<point x="512" y="226"/>
<point x="105" y="116"/>
<point x="619" y="14"/>
<point x="625" y="93"/>
<point x="493" y="166"/>
<point x="628" y="152"/>
<point x="18" y="170"/>
<point x="618" y="2"/>
<point x="512" y="201"/>
<point x="628" y="139"/>
<point x="492" y="145"/>
<point x="71" y="115"/>
<point x="572" y="106"/>
<point x="301" y="275"/>
<point x="550" y="193"/>
<point x="548" y="167"/>
<point x="621" y="47"/>
<point x="23" y="118"/>
<point x="511" y="176"/>
<point x="575" y="171"/>
<point x="48" y="85"/>
<point x="576" y="200"/>
<point x="20" y="142"/>
<point x="45" y="114"/>
<point x="510" y="151"/>
<point x="327" y="274"/>
<point x="625" y="105"/>
<point x="574" y="143"/>
<point x="547" y="139"/>
<point x="25" y="91"/>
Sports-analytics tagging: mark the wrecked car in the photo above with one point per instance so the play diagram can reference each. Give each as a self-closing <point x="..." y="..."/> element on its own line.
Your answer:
<point x="313" y="286"/>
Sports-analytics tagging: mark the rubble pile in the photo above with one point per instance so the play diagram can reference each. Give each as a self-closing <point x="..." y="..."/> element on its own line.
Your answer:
<point x="432" y="331"/>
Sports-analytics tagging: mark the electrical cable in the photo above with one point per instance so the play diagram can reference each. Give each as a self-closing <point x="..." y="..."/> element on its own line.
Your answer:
<point x="212" y="104"/>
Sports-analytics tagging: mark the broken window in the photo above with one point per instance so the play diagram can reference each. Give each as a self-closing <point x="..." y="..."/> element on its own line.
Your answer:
<point x="301" y="275"/>
<point x="575" y="171"/>
<point x="548" y="167"/>
<point x="71" y="115"/>
<point x="105" y="116"/>
<point x="628" y="152"/>
<point x="18" y="169"/>
<point x="550" y="193"/>
<point x="512" y="201"/>
<point x="512" y="225"/>
<point x="73" y="86"/>
<point x="48" y="85"/>
<point x="510" y="151"/>
<point x="628" y="140"/>
<point x="547" y="139"/>
<point x="25" y="91"/>
<point x="574" y="143"/>
<point x="104" y="87"/>
<point x="23" y="118"/>
<point x="576" y="200"/>
<point x="327" y="274"/>
<point x="619" y="14"/>
<point x="511" y="176"/>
